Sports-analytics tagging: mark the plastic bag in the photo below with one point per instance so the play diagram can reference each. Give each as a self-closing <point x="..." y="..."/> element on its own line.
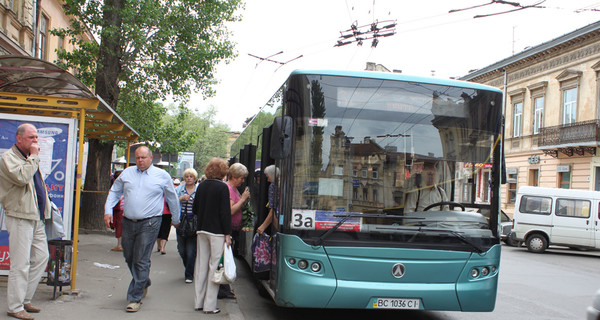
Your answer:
<point x="229" y="264"/>
<point x="261" y="250"/>
<point x="54" y="225"/>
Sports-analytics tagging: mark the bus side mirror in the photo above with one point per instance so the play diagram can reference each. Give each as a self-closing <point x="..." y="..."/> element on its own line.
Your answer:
<point x="281" y="137"/>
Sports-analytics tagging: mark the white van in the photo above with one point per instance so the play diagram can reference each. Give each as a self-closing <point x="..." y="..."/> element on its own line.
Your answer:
<point x="565" y="217"/>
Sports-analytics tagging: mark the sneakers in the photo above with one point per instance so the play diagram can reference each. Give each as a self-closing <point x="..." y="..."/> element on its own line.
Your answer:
<point x="188" y="280"/>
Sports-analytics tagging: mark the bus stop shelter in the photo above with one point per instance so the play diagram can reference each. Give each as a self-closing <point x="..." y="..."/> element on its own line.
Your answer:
<point x="33" y="87"/>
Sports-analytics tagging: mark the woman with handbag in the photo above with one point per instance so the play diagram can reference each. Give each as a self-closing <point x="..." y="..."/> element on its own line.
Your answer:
<point x="235" y="178"/>
<point x="186" y="231"/>
<point x="212" y="208"/>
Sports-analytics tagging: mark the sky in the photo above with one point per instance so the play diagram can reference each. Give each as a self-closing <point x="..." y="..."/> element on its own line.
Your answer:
<point x="429" y="41"/>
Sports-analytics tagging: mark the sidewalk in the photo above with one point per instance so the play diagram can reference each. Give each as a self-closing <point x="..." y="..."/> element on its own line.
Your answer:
<point x="103" y="291"/>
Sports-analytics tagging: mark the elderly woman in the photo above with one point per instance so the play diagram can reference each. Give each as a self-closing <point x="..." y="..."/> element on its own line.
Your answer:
<point x="235" y="178"/>
<point x="211" y="206"/>
<point x="272" y="173"/>
<point x="186" y="243"/>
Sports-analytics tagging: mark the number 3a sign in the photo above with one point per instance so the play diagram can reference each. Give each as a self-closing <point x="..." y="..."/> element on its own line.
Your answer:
<point x="303" y="219"/>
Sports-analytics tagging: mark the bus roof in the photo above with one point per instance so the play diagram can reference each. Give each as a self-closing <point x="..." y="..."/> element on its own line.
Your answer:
<point x="397" y="76"/>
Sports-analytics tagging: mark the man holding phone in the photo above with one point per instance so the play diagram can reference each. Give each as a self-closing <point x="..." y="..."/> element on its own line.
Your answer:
<point x="25" y="200"/>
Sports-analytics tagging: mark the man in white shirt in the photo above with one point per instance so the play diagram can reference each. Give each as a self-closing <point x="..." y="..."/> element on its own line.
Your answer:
<point x="145" y="189"/>
<point x="422" y="196"/>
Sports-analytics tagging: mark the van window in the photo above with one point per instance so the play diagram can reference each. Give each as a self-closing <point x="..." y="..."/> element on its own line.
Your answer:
<point x="535" y="205"/>
<point x="573" y="208"/>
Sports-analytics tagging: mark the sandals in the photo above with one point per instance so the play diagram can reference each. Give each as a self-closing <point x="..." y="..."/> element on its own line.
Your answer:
<point x="212" y="312"/>
<point x="133" y="306"/>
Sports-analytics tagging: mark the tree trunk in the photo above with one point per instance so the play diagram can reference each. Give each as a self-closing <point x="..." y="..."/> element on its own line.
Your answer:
<point x="97" y="184"/>
<point x="97" y="177"/>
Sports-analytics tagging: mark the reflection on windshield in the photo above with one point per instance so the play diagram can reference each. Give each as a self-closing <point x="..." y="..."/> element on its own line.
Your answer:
<point x="377" y="146"/>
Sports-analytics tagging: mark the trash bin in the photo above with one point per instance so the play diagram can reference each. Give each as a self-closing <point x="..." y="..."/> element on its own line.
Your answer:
<point x="59" y="264"/>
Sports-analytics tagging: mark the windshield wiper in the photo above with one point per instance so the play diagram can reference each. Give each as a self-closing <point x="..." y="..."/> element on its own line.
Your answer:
<point x="458" y="235"/>
<point x="347" y="216"/>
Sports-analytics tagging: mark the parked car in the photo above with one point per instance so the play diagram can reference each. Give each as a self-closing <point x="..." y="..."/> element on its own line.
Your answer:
<point x="505" y="227"/>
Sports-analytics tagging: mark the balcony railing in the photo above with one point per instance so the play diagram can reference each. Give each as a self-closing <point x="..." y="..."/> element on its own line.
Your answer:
<point x="579" y="132"/>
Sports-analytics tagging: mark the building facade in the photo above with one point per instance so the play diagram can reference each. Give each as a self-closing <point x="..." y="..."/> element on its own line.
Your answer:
<point x="552" y="113"/>
<point x="25" y="27"/>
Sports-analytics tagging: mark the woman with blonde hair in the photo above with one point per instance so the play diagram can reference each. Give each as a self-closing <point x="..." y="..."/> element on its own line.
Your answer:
<point x="212" y="208"/>
<point x="186" y="243"/>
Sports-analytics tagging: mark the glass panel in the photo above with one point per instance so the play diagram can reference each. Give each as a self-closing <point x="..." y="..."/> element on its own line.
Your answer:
<point x="518" y="112"/>
<point x="570" y="106"/>
<point x="536" y="205"/>
<point x="573" y="208"/>
<point x="414" y="144"/>
<point x="538" y="116"/>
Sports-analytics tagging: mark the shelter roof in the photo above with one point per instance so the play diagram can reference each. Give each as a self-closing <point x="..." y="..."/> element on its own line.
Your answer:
<point x="31" y="86"/>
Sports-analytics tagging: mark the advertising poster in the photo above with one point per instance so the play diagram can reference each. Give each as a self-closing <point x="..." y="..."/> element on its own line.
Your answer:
<point x="185" y="160"/>
<point x="57" y="155"/>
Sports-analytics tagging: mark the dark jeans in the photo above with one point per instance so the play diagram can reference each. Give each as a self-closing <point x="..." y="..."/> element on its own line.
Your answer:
<point x="138" y="240"/>
<point x="187" y="251"/>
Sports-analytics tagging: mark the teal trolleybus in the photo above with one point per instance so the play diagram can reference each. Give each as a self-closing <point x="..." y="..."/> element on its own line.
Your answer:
<point x="387" y="195"/>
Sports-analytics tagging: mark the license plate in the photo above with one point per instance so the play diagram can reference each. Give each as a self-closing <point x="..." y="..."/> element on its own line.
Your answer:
<point x="396" y="303"/>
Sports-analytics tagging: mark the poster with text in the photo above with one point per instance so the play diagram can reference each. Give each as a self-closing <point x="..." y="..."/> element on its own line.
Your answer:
<point x="56" y="137"/>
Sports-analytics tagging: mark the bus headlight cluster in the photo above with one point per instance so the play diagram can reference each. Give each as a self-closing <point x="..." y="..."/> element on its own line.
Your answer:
<point x="483" y="272"/>
<point x="303" y="264"/>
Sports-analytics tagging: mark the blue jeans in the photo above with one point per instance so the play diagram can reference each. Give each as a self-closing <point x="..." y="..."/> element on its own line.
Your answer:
<point x="137" y="241"/>
<point x="187" y="251"/>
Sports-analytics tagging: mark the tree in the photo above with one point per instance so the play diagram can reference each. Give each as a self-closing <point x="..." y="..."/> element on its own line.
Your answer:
<point x="148" y="50"/>
<point x="207" y="138"/>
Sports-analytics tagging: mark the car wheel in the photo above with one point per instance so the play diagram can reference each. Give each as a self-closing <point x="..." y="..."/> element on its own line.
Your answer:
<point x="536" y="243"/>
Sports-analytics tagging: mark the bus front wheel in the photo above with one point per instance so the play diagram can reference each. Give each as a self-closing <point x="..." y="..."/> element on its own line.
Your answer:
<point x="536" y="243"/>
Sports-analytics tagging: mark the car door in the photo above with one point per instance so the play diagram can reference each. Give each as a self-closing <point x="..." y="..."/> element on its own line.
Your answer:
<point x="573" y="222"/>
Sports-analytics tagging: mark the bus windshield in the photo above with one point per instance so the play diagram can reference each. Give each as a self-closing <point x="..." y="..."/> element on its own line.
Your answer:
<point x="408" y="163"/>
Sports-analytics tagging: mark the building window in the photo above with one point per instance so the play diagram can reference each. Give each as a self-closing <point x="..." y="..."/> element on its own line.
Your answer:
<point x="339" y="170"/>
<point x="364" y="172"/>
<point x="512" y="184"/>
<point x="538" y="114"/>
<point x="517" y="119"/>
<point x="43" y="41"/>
<point x="355" y="172"/>
<point x="365" y="194"/>
<point x="375" y="173"/>
<point x="534" y="177"/>
<point x="375" y="195"/>
<point x="516" y="99"/>
<point x="565" y="180"/>
<point x="569" y="106"/>
<point x="354" y="193"/>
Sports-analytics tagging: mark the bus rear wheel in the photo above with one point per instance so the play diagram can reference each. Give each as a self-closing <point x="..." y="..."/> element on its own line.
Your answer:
<point x="537" y="243"/>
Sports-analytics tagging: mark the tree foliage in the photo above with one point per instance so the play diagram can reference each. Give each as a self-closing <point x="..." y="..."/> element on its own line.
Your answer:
<point x="164" y="47"/>
<point x="149" y="50"/>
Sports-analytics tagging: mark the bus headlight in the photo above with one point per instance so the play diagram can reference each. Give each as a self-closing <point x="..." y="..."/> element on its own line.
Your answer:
<point x="302" y="264"/>
<point x="485" y="271"/>
<point x="292" y="261"/>
<point x="474" y="273"/>
<point x="315" y="267"/>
